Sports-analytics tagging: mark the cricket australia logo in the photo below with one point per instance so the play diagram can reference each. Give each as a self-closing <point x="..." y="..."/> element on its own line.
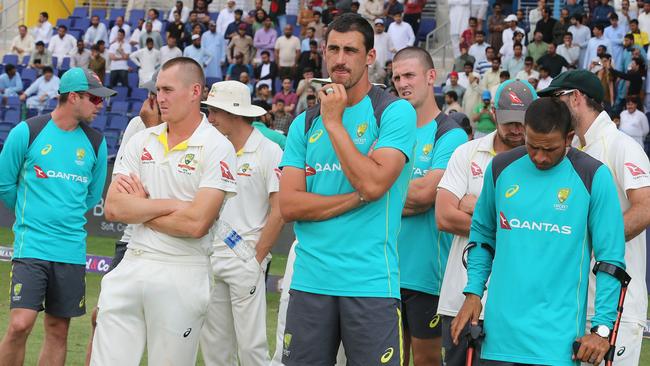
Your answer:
<point x="187" y="165"/>
<point x="562" y="196"/>
<point x="361" y="131"/>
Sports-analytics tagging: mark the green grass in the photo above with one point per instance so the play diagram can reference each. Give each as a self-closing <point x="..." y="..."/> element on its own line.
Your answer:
<point x="80" y="327"/>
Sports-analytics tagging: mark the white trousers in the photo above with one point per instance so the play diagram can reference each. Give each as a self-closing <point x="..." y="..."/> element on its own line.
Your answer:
<point x="628" y="344"/>
<point x="235" y="328"/>
<point x="153" y="300"/>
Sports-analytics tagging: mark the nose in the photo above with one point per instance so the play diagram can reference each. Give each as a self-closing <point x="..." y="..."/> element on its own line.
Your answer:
<point x="540" y="158"/>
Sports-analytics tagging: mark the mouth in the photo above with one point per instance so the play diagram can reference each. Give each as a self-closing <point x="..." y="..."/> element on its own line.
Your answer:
<point x="405" y="93"/>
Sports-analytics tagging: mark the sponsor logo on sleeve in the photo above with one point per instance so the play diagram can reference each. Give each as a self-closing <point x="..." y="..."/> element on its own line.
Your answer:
<point x="476" y="170"/>
<point x="635" y="170"/>
<point x="146" y="156"/>
<point x="315" y="136"/>
<point x="39" y="172"/>
<point x="504" y="221"/>
<point x="309" y="170"/>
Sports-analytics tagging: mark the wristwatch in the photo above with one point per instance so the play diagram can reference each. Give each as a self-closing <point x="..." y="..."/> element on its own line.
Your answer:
<point x="601" y="330"/>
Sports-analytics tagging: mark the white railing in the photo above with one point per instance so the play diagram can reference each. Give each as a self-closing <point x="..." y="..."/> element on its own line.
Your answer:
<point x="10" y="18"/>
<point x="438" y="43"/>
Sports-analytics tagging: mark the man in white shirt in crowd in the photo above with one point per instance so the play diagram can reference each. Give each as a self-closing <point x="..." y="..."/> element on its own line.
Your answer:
<point x="97" y="31"/>
<point x="170" y="50"/>
<point x="196" y="52"/>
<point x="401" y="33"/>
<point x="544" y="78"/>
<point x="477" y="49"/>
<point x="153" y="15"/>
<point x="614" y="34"/>
<point x="119" y="24"/>
<point x="225" y="17"/>
<point x="569" y="50"/>
<point x="644" y="18"/>
<point x="118" y="53"/>
<point x="149" y="32"/>
<point x="42" y="31"/>
<point x="508" y="33"/>
<point x="592" y="47"/>
<point x="22" y="44"/>
<point x="581" y="35"/>
<point x="81" y="56"/>
<point x="235" y="327"/>
<point x="287" y="53"/>
<point x="212" y="41"/>
<point x="62" y="44"/>
<point x="134" y="40"/>
<point x="182" y="10"/>
<point x="147" y="60"/>
<point x="384" y="48"/>
<point x="45" y="88"/>
<point x="528" y="72"/>
<point x="634" y="123"/>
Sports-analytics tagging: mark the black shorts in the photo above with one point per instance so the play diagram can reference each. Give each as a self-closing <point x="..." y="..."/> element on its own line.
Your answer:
<point x="57" y="288"/>
<point x="120" y="249"/>
<point x="420" y="314"/>
<point x="456" y="355"/>
<point x="369" y="328"/>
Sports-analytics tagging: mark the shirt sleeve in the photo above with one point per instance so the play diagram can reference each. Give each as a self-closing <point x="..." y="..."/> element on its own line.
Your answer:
<point x="446" y="146"/>
<point x="129" y="161"/>
<point x="605" y="225"/>
<point x="217" y="168"/>
<point x="96" y="186"/>
<point x="295" y="149"/>
<point x="12" y="158"/>
<point x="398" y="128"/>
<point x="455" y="179"/>
<point x="632" y="168"/>
<point x="273" y="157"/>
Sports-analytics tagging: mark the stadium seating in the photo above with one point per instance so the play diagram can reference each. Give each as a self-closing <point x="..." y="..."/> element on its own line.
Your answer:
<point x="118" y="122"/>
<point x="121" y="12"/>
<point x="100" y="122"/>
<point x="81" y="23"/>
<point x="135" y="15"/>
<point x="426" y="26"/>
<point x="12" y="116"/>
<point x="13" y="102"/>
<point x="119" y="107"/>
<point x="101" y="13"/>
<point x="10" y="59"/>
<point x="80" y="12"/>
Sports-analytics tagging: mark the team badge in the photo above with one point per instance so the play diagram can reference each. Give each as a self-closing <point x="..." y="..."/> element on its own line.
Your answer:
<point x="362" y="128"/>
<point x="81" y="154"/>
<point x="426" y="150"/>
<point x="187" y="165"/>
<point x="245" y="170"/>
<point x="563" y="194"/>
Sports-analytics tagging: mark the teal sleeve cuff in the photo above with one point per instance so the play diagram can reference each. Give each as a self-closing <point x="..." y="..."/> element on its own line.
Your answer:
<point x="479" y="267"/>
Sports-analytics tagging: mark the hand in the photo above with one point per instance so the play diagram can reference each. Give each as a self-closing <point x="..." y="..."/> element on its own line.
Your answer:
<point x="467" y="204"/>
<point x="22" y="97"/>
<point x="592" y="349"/>
<point x="149" y="112"/>
<point x="131" y="185"/>
<point x="470" y="311"/>
<point x="260" y="258"/>
<point x="332" y="105"/>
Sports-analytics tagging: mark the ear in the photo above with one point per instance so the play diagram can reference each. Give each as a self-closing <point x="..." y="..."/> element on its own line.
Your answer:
<point x="371" y="57"/>
<point x="431" y="76"/>
<point x="569" y="138"/>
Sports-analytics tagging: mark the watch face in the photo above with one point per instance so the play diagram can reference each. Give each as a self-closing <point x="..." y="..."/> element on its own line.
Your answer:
<point x="602" y="331"/>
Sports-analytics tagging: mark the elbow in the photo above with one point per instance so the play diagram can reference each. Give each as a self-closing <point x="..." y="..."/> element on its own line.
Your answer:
<point x="111" y="213"/>
<point x="372" y="192"/>
<point x="287" y="213"/>
<point x="198" y="230"/>
<point x="442" y="223"/>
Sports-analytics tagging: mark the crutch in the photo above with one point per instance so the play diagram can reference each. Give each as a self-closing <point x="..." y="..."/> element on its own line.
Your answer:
<point x="474" y="334"/>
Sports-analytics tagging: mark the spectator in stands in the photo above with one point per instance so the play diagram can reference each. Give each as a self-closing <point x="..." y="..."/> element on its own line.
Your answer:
<point x="303" y="102"/>
<point x="640" y="37"/>
<point x="634" y="75"/>
<point x="311" y="59"/>
<point x="150" y="33"/>
<point x="192" y="22"/>
<point x="80" y="57"/>
<point x="258" y="21"/>
<point x="634" y="122"/>
<point x="463" y="59"/>
<point x="453" y="85"/>
<point x="561" y="27"/>
<point x="515" y="64"/>
<point x="538" y="47"/>
<point x="644" y="17"/>
<point x="22" y="44"/>
<point x="318" y="25"/>
<point x="241" y="43"/>
<point x="281" y="119"/>
<point x="592" y="47"/>
<point x="10" y="83"/>
<point x="42" y="31"/>
<point x="507" y="50"/>
<point x="97" y="63"/>
<point x="458" y="20"/>
<point x="372" y="9"/>
<point x="545" y="25"/>
<point x="625" y="15"/>
<point x="574" y="8"/>
<point x="330" y="11"/>
<point x="62" y="44"/>
<point x="101" y="46"/>
<point x="463" y="77"/>
<point x="544" y="78"/>
<point x="581" y="35"/>
<point x="202" y="11"/>
<point x="266" y="71"/>
<point x="287" y="95"/>
<point x="384" y="48"/>
<point x="310" y="35"/>
<point x="305" y="16"/>
<point x="233" y="28"/>
<point x="236" y="68"/>
<point x="484" y="65"/>
<point x="629" y="48"/>
<point x="472" y="95"/>
<point x="477" y="49"/>
<point x="134" y="40"/>
<point x="119" y="53"/>
<point x="491" y="78"/>
<point x="467" y="38"/>
<point x="602" y="14"/>
<point x="451" y="103"/>
<point x="552" y="61"/>
<point x="263" y="94"/>
<point x="304" y="85"/>
<point x="496" y="25"/>
<point x="413" y="13"/>
<point x="153" y="16"/>
<point x="119" y="24"/>
<point x="95" y="32"/>
<point x="147" y="60"/>
<point x="483" y="116"/>
<point x="528" y="72"/>
<point x="569" y="50"/>
<point x="182" y="10"/>
<point x="606" y="80"/>
<point x="211" y="40"/>
<point x="287" y="53"/>
<point x="245" y="78"/>
<point x="534" y="16"/>
<point x="393" y="7"/>
<point x="176" y="28"/>
<point x="43" y="89"/>
<point x="226" y="16"/>
<point x="170" y="51"/>
<point x="265" y="39"/>
<point x="509" y="32"/>
<point x="615" y="34"/>
<point x="523" y="23"/>
<point x="198" y="53"/>
<point x="401" y="33"/>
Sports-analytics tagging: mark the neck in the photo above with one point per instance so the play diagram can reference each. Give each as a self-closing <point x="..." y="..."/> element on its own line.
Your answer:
<point x="63" y="118"/>
<point x="359" y="91"/>
<point x="585" y="120"/>
<point x="428" y="110"/>
<point x="182" y="130"/>
<point x="240" y="135"/>
<point x="498" y="145"/>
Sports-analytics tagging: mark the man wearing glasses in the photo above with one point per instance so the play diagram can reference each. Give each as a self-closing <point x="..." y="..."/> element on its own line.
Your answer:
<point x="598" y="136"/>
<point x="53" y="171"/>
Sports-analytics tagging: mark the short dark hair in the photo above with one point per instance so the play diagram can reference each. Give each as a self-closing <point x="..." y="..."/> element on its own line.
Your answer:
<point x="265" y="52"/>
<point x="489" y="48"/>
<point x="634" y="21"/>
<point x="350" y="22"/>
<point x="469" y="63"/>
<point x="155" y="11"/>
<point x="473" y="18"/>
<point x="600" y="27"/>
<point x="630" y="36"/>
<point x="9" y="67"/>
<point x="149" y="40"/>
<point x="504" y="74"/>
<point x="517" y="44"/>
<point x="549" y="114"/>
<point x="529" y="59"/>
<point x="63" y="26"/>
<point x="568" y="34"/>
<point x="415" y="52"/>
<point x="239" y="11"/>
<point x="101" y="42"/>
<point x="311" y="97"/>
<point x="480" y="32"/>
<point x="121" y="31"/>
<point x="47" y="69"/>
<point x="40" y="43"/>
<point x="45" y="15"/>
<point x="313" y="43"/>
<point x="95" y="16"/>
<point x="452" y="94"/>
<point x="613" y="16"/>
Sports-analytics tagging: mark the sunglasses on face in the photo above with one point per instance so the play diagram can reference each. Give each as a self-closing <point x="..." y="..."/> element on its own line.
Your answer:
<point x="92" y="98"/>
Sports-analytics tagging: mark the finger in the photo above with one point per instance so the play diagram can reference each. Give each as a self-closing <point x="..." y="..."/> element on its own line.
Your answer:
<point x="126" y="187"/>
<point x="587" y="355"/>
<point x="581" y="350"/>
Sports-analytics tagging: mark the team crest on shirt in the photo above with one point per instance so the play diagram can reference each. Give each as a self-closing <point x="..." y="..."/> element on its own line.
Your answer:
<point x="245" y="170"/>
<point x="562" y="196"/>
<point x="81" y="153"/>
<point x="361" y="131"/>
<point x="187" y="165"/>
<point x="426" y="152"/>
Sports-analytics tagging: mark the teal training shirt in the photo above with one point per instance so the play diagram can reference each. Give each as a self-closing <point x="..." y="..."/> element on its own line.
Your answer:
<point x="544" y="225"/>
<point x="354" y="254"/>
<point x="270" y="134"/>
<point x="50" y="185"/>
<point x="423" y="250"/>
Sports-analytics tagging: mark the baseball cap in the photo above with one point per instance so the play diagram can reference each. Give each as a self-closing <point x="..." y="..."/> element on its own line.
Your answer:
<point x="453" y="73"/>
<point x="379" y="21"/>
<point x="151" y="84"/>
<point x="195" y="36"/>
<point x="78" y="79"/>
<point x="233" y="97"/>
<point x="242" y="26"/>
<point x="582" y="80"/>
<point x="512" y="98"/>
<point x="486" y="95"/>
<point x="511" y="18"/>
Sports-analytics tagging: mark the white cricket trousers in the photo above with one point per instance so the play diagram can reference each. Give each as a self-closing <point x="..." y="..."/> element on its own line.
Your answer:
<point x="282" y="313"/>
<point x="236" y="324"/>
<point x="155" y="300"/>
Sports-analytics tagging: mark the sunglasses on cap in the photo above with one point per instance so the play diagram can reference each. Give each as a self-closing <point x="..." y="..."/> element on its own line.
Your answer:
<point x="561" y="93"/>
<point x="92" y="98"/>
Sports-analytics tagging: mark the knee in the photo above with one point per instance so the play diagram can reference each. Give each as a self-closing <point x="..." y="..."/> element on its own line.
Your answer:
<point x="56" y="329"/>
<point x="19" y="328"/>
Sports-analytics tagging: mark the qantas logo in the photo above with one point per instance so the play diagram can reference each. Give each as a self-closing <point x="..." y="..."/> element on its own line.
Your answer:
<point x="476" y="170"/>
<point x="309" y="171"/>
<point x="39" y="172"/>
<point x="514" y="98"/>
<point x="225" y="171"/>
<point x="146" y="156"/>
<point x="533" y="225"/>
<point x="634" y="170"/>
<point x="504" y="222"/>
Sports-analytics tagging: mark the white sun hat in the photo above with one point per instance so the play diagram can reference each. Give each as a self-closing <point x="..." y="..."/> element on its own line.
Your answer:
<point x="233" y="97"/>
